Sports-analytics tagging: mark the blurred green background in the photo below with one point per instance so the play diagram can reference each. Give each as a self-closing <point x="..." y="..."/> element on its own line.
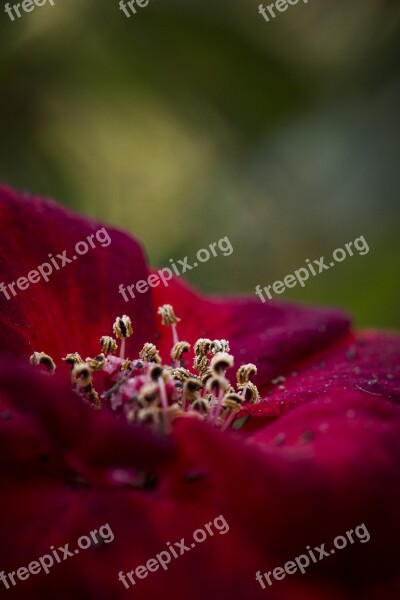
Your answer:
<point x="196" y="119"/>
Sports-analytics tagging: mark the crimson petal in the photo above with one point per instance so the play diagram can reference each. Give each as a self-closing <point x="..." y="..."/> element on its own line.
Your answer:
<point x="80" y="301"/>
<point x="273" y="336"/>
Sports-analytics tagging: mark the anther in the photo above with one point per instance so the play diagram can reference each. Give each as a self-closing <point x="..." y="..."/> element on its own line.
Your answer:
<point x="205" y="375"/>
<point x="245" y="373"/>
<point x="202" y="347"/>
<point x="149" y="353"/>
<point x="178" y="350"/>
<point x="82" y="374"/>
<point x="43" y="360"/>
<point x="97" y="363"/>
<point x="216" y="383"/>
<point x="181" y="374"/>
<point x="148" y="393"/>
<point x="108" y="344"/>
<point x="232" y="403"/>
<point x="200" y="405"/>
<point x="157" y="371"/>
<point x="191" y="386"/>
<point x="73" y="359"/>
<point x="250" y="392"/>
<point x="201" y="363"/>
<point x="169" y="319"/>
<point x="219" y="346"/>
<point x="122" y="329"/>
<point x="191" y="389"/>
<point x="220" y="362"/>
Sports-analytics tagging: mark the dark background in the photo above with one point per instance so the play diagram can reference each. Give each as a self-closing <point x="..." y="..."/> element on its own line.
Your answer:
<point x="196" y="119"/>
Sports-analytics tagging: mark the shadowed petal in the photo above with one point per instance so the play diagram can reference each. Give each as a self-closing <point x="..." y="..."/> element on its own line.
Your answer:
<point x="80" y="301"/>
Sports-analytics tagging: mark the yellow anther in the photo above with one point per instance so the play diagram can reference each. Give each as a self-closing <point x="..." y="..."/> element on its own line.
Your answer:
<point x="149" y="353"/>
<point x="168" y="317"/>
<point x="179" y="349"/>
<point x="245" y="373"/>
<point x="108" y="344"/>
<point x="42" y="359"/>
<point x="122" y="327"/>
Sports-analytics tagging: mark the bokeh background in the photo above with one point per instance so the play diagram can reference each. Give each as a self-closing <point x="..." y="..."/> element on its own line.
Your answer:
<point x="196" y="119"/>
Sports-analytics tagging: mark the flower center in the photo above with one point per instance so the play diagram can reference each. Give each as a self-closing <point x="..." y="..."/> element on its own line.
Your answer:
<point x="149" y="392"/>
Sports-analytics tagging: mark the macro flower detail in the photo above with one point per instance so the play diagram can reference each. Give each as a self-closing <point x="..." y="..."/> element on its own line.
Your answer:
<point x="277" y="416"/>
<point x="155" y="394"/>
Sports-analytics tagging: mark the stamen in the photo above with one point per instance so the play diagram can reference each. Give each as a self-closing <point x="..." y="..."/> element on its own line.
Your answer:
<point x="201" y="405"/>
<point x="205" y="376"/>
<point x="148" y="393"/>
<point x="201" y="363"/>
<point x="218" y="386"/>
<point x="164" y="400"/>
<point x="82" y="374"/>
<point x="221" y="362"/>
<point x="202" y="347"/>
<point x="122" y="329"/>
<point x="169" y="319"/>
<point x="181" y="374"/>
<point x="145" y="391"/>
<point x="97" y="363"/>
<point x="232" y="403"/>
<point x="156" y="371"/>
<point x="243" y="375"/>
<point x="73" y="359"/>
<point x="108" y="345"/>
<point x="245" y="372"/>
<point x="149" y="353"/>
<point x="250" y="392"/>
<point x="219" y="346"/>
<point x="44" y="360"/>
<point x="178" y="350"/>
<point x="191" y="389"/>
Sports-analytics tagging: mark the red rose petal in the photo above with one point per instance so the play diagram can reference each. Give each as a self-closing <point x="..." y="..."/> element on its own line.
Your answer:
<point x="368" y="362"/>
<point x="80" y="301"/>
<point x="273" y="336"/>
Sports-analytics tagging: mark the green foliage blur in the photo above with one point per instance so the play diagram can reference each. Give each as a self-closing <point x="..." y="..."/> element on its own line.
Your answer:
<point x="196" y="119"/>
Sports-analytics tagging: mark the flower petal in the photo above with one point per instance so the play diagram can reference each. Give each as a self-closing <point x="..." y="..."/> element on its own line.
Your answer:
<point x="273" y="336"/>
<point x="368" y="362"/>
<point x="40" y="416"/>
<point x="80" y="301"/>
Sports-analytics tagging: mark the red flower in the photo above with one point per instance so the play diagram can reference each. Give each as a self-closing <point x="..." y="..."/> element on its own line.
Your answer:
<point x="317" y="457"/>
